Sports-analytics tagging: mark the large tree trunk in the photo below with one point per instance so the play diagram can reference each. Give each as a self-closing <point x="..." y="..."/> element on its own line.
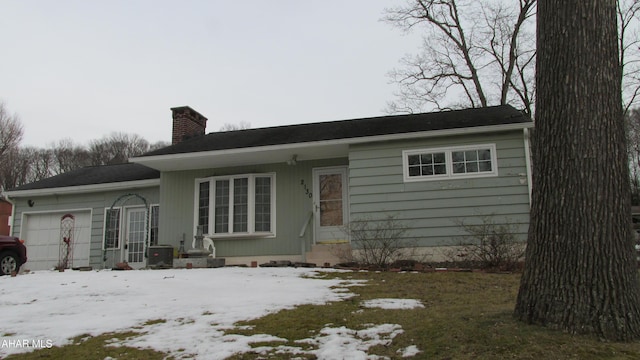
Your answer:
<point x="580" y="274"/>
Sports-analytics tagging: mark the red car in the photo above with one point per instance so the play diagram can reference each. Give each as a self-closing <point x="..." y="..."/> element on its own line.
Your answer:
<point x="13" y="254"/>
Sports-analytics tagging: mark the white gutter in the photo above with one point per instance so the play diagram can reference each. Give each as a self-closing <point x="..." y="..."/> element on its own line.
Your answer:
<point x="80" y="189"/>
<point x="13" y="211"/>
<point x="149" y="160"/>
<point x="527" y="158"/>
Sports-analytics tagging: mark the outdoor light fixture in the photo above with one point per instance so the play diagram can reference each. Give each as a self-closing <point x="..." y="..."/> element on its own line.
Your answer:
<point x="293" y="160"/>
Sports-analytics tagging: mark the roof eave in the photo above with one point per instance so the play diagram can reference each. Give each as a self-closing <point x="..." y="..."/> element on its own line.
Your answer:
<point x="171" y="162"/>
<point x="83" y="189"/>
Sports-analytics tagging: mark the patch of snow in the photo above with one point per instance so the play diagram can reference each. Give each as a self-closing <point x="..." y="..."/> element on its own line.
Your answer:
<point x="344" y="343"/>
<point x="391" y="304"/>
<point x="409" y="351"/>
<point x="192" y="308"/>
<point x="198" y="305"/>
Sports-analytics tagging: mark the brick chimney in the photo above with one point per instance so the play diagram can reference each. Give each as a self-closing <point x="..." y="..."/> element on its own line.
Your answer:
<point x="187" y="123"/>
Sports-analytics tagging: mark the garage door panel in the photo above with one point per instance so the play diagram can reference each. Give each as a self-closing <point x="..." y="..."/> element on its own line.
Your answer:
<point x="42" y="238"/>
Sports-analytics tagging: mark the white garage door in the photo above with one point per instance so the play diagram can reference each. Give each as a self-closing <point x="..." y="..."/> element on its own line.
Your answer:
<point x="41" y="234"/>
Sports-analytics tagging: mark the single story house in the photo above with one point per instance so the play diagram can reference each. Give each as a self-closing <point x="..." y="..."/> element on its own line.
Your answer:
<point x="287" y="192"/>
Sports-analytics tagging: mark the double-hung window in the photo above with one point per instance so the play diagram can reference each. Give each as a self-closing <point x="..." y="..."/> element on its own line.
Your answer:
<point x="450" y="162"/>
<point x="237" y="205"/>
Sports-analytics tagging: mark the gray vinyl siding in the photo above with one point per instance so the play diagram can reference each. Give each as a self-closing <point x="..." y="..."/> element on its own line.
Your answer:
<point x="95" y="202"/>
<point x="432" y="210"/>
<point x="293" y="207"/>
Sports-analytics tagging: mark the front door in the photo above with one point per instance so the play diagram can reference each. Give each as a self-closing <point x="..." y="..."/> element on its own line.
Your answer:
<point x="330" y="204"/>
<point x="135" y="236"/>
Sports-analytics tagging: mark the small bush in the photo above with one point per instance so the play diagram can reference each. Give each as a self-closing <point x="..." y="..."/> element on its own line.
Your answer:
<point x="493" y="245"/>
<point x="380" y="242"/>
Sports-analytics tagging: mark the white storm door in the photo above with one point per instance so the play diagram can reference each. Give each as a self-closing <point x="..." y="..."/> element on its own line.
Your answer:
<point x="330" y="204"/>
<point x="135" y="237"/>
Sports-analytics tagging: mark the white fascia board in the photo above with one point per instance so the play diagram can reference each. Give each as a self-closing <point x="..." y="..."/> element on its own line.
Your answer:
<point x="164" y="159"/>
<point x="81" y="189"/>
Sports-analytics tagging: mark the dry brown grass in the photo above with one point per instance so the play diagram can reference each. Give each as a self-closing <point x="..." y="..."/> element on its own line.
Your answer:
<point x="466" y="316"/>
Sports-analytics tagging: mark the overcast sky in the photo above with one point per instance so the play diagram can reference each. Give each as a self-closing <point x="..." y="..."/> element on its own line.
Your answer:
<point x="84" y="69"/>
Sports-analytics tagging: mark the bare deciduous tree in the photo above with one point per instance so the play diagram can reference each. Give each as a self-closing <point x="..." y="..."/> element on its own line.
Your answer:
<point x="629" y="59"/>
<point x="10" y="130"/>
<point x="116" y="148"/>
<point x="22" y="165"/>
<point x="632" y="122"/>
<point x="629" y="51"/>
<point x="41" y="163"/>
<point x="19" y="168"/>
<point x="480" y="51"/>
<point x="10" y="136"/>
<point x="28" y="164"/>
<point x="232" y="127"/>
<point x="158" y="145"/>
<point x="69" y="156"/>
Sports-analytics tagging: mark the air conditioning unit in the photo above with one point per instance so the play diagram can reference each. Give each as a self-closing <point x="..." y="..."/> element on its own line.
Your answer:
<point x="160" y="256"/>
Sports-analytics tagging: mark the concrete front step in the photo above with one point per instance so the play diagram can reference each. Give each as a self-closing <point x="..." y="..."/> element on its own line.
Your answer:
<point x="328" y="254"/>
<point x="202" y="262"/>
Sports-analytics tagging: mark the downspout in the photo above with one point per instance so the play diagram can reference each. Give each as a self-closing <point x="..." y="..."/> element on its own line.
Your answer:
<point x="13" y="216"/>
<point x="527" y="157"/>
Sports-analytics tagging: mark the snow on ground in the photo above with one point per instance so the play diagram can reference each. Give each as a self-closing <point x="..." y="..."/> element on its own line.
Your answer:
<point x="409" y="351"/>
<point x="390" y="304"/>
<point x="334" y="343"/>
<point x="198" y="305"/>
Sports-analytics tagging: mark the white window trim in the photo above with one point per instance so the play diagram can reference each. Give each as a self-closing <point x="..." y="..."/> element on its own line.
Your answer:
<point x="449" y="163"/>
<point x="251" y="233"/>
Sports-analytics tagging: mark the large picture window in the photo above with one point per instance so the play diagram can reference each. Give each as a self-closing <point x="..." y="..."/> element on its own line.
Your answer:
<point x="241" y="205"/>
<point x="450" y="162"/>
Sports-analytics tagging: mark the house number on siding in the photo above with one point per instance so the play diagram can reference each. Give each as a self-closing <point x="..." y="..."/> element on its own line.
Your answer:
<point x="306" y="189"/>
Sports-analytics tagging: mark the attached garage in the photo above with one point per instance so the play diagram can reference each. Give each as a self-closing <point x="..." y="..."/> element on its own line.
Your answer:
<point x="43" y="235"/>
<point x="86" y="194"/>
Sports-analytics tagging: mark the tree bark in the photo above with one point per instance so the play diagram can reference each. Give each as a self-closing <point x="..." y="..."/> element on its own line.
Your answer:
<point x="580" y="274"/>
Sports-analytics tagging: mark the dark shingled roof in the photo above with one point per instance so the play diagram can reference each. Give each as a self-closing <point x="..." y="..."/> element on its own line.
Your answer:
<point x="291" y="134"/>
<point x="94" y="175"/>
<point x="346" y="129"/>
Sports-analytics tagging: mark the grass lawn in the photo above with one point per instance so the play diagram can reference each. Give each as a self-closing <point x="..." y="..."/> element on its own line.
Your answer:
<point x="465" y="316"/>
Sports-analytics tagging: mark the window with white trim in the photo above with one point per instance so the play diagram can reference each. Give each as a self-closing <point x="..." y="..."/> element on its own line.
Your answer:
<point x="450" y="162"/>
<point x="237" y="205"/>
<point x="112" y="229"/>
<point x="154" y="219"/>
